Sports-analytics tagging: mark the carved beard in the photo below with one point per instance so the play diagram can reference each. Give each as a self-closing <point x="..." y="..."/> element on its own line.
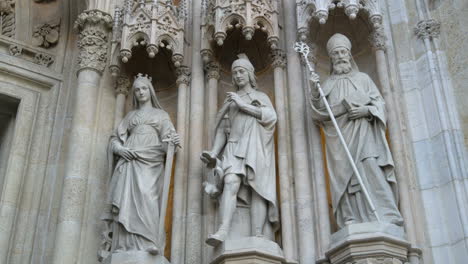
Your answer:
<point x="342" y="67"/>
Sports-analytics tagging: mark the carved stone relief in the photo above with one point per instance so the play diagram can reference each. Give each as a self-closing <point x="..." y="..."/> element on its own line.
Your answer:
<point x="154" y="26"/>
<point x="94" y="27"/>
<point x="15" y="50"/>
<point x="47" y="34"/>
<point x="319" y="10"/>
<point x="222" y="16"/>
<point x="43" y="59"/>
<point x="429" y="28"/>
<point x="7" y="13"/>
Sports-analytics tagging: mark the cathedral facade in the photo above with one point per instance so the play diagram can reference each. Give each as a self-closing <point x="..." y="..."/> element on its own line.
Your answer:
<point x="258" y="155"/>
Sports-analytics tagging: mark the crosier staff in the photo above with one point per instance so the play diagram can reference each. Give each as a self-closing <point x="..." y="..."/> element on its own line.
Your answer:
<point x="303" y="49"/>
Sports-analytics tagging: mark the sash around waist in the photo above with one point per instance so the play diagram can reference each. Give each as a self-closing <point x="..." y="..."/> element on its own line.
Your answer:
<point x="143" y="129"/>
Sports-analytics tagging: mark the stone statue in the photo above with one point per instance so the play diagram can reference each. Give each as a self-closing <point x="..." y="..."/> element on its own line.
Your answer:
<point x="138" y="147"/>
<point x="360" y="113"/>
<point x="243" y="155"/>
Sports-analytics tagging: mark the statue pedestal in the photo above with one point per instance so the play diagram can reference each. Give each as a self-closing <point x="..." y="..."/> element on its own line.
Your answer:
<point x="369" y="243"/>
<point x="248" y="250"/>
<point x="135" y="257"/>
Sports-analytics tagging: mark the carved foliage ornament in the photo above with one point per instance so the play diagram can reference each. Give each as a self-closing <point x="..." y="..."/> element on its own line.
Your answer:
<point x="94" y="26"/>
<point x="183" y="75"/>
<point x="427" y="28"/>
<point x="278" y="58"/>
<point x="47" y="34"/>
<point x="123" y="85"/>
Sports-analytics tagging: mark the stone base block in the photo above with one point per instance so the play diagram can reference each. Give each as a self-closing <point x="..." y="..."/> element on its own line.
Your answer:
<point x="369" y="243"/>
<point x="135" y="257"/>
<point x="248" y="250"/>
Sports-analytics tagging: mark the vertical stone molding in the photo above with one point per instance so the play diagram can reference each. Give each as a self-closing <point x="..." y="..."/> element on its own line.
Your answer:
<point x="212" y="73"/>
<point x="278" y="61"/>
<point x="94" y="27"/>
<point x="180" y="173"/>
<point x="193" y="243"/>
<point x="300" y="162"/>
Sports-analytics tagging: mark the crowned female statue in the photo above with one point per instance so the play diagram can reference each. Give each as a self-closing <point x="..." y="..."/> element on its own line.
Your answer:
<point x="243" y="155"/>
<point x="137" y="150"/>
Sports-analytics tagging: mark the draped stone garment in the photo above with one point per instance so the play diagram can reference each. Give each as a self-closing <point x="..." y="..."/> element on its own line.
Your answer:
<point x="367" y="144"/>
<point x="249" y="151"/>
<point x="135" y="188"/>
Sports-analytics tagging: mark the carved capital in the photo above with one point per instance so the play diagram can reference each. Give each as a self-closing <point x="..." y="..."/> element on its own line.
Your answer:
<point x="428" y="28"/>
<point x="378" y="39"/>
<point x="122" y="85"/>
<point x="278" y="58"/>
<point x="212" y="70"/>
<point x="94" y="27"/>
<point x="183" y="75"/>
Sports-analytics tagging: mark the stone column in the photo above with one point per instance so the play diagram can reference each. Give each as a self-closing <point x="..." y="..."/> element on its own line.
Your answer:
<point x="212" y="74"/>
<point x="122" y="87"/>
<point x="288" y="231"/>
<point x="94" y="27"/>
<point x="318" y="171"/>
<point x="212" y="69"/>
<point x="180" y="174"/>
<point x="378" y="42"/>
<point x="428" y="30"/>
<point x="194" y="243"/>
<point x="301" y="170"/>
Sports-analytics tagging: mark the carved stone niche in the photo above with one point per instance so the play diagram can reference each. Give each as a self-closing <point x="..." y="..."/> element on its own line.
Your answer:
<point x="368" y="243"/>
<point x="320" y="10"/>
<point x="247" y="16"/>
<point x="153" y="25"/>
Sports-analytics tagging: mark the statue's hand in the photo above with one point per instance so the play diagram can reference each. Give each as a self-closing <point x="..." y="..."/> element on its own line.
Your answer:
<point x="176" y="139"/>
<point x="126" y="153"/>
<point x="234" y="97"/>
<point x="358" y="112"/>
<point x="314" y="78"/>
<point x="208" y="157"/>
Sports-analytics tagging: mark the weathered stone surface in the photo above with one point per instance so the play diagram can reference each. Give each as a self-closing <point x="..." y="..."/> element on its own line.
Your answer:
<point x="248" y="250"/>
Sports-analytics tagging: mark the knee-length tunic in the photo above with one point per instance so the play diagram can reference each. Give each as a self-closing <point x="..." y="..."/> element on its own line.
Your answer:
<point x="249" y="151"/>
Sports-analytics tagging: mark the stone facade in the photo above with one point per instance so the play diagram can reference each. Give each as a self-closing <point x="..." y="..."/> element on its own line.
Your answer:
<point x="67" y="69"/>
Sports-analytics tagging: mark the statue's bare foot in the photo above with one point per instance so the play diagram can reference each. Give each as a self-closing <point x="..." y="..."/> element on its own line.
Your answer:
<point x="216" y="239"/>
<point x="153" y="250"/>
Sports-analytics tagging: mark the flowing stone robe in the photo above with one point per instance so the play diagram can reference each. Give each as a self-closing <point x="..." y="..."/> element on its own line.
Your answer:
<point x="135" y="188"/>
<point x="368" y="146"/>
<point x="249" y="151"/>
